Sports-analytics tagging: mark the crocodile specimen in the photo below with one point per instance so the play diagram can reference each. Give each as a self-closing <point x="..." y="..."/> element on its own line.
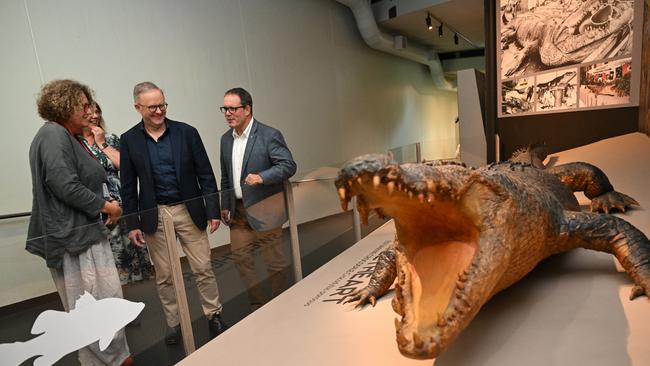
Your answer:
<point x="596" y="30"/>
<point x="464" y="234"/>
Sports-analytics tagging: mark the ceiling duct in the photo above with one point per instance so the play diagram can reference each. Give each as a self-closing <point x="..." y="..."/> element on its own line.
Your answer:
<point x="381" y="41"/>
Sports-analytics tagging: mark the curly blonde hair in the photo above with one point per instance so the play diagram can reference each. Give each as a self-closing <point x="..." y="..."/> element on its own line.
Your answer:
<point x="58" y="99"/>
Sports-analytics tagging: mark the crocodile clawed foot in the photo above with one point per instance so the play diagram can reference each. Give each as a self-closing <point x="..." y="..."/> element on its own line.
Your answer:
<point x="637" y="291"/>
<point x="612" y="200"/>
<point x="362" y="297"/>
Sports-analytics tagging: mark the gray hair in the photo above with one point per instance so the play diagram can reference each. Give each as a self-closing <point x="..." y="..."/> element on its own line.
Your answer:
<point x="144" y="87"/>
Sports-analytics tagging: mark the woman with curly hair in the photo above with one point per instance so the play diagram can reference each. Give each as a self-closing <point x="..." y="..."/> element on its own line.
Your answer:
<point x="133" y="263"/>
<point x="65" y="227"/>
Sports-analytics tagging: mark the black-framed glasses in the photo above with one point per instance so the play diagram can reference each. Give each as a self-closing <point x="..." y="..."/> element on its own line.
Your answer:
<point x="225" y="109"/>
<point x="153" y="108"/>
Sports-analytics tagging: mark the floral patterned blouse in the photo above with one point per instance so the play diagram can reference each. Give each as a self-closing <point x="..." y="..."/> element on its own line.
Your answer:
<point x="111" y="171"/>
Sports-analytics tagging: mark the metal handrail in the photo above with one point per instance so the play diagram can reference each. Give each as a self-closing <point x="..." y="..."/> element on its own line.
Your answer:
<point x="14" y="215"/>
<point x="307" y="180"/>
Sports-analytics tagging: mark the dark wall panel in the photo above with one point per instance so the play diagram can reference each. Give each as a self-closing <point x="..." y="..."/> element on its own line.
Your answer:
<point x="561" y="131"/>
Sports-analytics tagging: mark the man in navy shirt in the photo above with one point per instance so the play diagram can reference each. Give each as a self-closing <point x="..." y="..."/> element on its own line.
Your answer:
<point x="164" y="165"/>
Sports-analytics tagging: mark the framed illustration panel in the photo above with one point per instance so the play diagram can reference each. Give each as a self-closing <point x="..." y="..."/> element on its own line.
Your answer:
<point x="581" y="54"/>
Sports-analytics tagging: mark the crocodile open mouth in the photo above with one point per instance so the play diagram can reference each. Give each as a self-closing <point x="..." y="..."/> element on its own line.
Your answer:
<point x="437" y="234"/>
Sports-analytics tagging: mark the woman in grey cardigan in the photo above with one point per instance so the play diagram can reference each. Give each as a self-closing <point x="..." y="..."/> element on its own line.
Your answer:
<point x="66" y="227"/>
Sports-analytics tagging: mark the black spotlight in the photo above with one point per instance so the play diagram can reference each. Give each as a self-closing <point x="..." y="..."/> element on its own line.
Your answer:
<point x="456" y="38"/>
<point x="428" y="21"/>
<point x="440" y="30"/>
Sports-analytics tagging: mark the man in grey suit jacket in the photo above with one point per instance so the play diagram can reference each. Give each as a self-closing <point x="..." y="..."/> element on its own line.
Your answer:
<point x="255" y="161"/>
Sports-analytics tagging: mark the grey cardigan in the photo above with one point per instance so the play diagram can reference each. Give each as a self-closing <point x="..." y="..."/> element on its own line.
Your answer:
<point x="67" y="196"/>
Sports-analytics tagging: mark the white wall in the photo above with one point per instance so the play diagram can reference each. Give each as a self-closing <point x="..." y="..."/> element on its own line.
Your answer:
<point x="309" y="72"/>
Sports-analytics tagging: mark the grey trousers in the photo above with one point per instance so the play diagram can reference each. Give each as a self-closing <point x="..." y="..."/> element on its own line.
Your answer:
<point x="93" y="271"/>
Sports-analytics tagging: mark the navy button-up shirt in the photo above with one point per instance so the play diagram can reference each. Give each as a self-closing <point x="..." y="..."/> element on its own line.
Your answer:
<point x="162" y="167"/>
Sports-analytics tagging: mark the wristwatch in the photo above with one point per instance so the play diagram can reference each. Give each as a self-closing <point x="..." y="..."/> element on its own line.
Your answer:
<point x="104" y="145"/>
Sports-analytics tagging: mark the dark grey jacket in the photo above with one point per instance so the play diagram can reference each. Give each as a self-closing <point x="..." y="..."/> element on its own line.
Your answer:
<point x="67" y="196"/>
<point x="266" y="154"/>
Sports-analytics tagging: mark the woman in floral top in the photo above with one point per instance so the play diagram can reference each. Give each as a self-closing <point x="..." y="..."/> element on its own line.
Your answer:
<point x="133" y="263"/>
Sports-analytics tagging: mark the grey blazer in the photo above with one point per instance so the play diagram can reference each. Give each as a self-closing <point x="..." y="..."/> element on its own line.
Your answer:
<point x="266" y="154"/>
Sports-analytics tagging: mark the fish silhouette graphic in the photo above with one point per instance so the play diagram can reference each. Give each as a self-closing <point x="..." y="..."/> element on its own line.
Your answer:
<point x="60" y="333"/>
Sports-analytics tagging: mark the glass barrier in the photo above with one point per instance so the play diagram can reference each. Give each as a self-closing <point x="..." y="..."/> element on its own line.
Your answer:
<point x="78" y="303"/>
<point x="405" y="154"/>
<point x="251" y="257"/>
<point x="324" y="229"/>
<point x="440" y="149"/>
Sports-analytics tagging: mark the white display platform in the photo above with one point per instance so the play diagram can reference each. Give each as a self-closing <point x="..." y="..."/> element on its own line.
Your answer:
<point x="571" y="310"/>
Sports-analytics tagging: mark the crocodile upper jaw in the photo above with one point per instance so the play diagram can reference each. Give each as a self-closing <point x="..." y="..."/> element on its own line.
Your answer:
<point x="437" y="253"/>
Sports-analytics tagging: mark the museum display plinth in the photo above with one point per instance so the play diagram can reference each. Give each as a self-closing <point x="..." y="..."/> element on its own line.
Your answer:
<point x="572" y="309"/>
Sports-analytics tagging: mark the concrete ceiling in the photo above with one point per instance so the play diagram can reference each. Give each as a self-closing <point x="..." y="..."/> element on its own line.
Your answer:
<point x="408" y="18"/>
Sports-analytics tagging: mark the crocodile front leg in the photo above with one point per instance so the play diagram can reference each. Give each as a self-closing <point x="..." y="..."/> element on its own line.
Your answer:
<point x="584" y="177"/>
<point x="382" y="278"/>
<point x="611" y="234"/>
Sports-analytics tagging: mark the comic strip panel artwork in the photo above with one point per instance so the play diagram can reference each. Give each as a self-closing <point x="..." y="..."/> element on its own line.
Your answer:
<point x="517" y="96"/>
<point x="606" y="83"/>
<point x="557" y="90"/>
<point x="538" y="35"/>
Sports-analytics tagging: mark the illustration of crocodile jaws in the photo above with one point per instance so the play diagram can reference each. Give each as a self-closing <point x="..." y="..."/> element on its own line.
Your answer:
<point x="464" y="234"/>
<point x="595" y="30"/>
<point x="589" y="33"/>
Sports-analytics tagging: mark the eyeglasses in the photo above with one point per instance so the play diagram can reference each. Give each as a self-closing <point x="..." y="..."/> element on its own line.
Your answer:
<point x="153" y="108"/>
<point x="225" y="109"/>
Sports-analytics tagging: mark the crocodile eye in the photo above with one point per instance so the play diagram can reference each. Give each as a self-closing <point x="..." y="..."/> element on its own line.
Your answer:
<point x="602" y="15"/>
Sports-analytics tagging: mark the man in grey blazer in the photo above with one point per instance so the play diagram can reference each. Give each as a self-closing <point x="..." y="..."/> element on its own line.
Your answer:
<point x="255" y="161"/>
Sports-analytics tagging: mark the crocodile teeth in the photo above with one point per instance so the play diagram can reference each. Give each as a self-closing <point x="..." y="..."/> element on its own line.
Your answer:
<point x="441" y="320"/>
<point x="391" y="187"/>
<point x="376" y="180"/>
<point x="401" y="340"/>
<point x="344" y="205"/>
<point x="417" y="341"/>
<point x="430" y="198"/>
<point x="430" y="185"/>
<point x="462" y="276"/>
<point x="397" y="324"/>
<point x="421" y="197"/>
<point x="433" y="347"/>
<point x="341" y="193"/>
<point x="360" y="180"/>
